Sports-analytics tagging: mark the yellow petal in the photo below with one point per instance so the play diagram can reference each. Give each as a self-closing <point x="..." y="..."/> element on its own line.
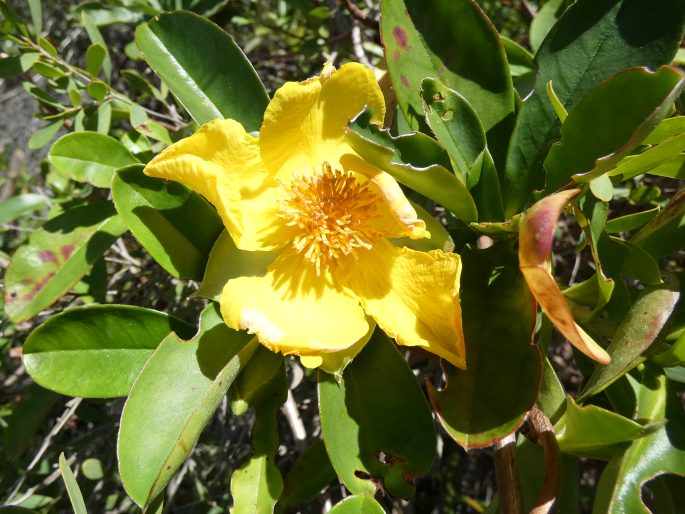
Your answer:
<point x="221" y="162"/>
<point x="294" y="311"/>
<point x="536" y="235"/>
<point x="413" y="296"/>
<point x="398" y="218"/>
<point x="336" y="362"/>
<point x="305" y="122"/>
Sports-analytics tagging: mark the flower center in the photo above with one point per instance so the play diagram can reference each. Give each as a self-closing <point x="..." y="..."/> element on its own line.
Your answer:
<point x="334" y="214"/>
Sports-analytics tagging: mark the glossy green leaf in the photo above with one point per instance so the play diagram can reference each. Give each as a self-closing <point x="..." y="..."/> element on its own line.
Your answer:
<point x="640" y="328"/>
<point x="593" y="40"/>
<point x="90" y="157"/>
<point x="203" y="68"/>
<point x="455" y="124"/>
<point x="97" y="351"/>
<point x="257" y="484"/>
<point x="311" y="472"/>
<point x="17" y="205"/>
<point x="552" y="397"/>
<point x="583" y="154"/>
<point x="665" y="233"/>
<point x="56" y="256"/>
<point x="226" y="261"/>
<point x="630" y="261"/>
<point x="421" y="39"/>
<point x="176" y="225"/>
<point x="490" y="399"/>
<point x="654" y="158"/>
<point x="173" y="399"/>
<point x="619" y="487"/>
<point x="376" y="423"/>
<point x="254" y="381"/>
<point x="73" y="490"/>
<point x="593" y="432"/>
<point x="357" y="505"/>
<point x="415" y="160"/>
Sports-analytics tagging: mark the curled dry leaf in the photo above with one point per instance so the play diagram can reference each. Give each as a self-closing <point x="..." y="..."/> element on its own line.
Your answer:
<point x="535" y="245"/>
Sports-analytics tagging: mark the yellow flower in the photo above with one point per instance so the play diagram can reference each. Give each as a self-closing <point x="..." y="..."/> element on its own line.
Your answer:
<point x="299" y="188"/>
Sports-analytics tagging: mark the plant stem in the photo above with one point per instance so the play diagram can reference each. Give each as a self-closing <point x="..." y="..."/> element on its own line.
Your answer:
<point x="507" y="476"/>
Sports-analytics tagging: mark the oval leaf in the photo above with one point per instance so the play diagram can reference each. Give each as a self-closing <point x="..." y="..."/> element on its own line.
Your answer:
<point x="490" y="399"/>
<point x="639" y="329"/>
<point x="173" y="399"/>
<point x="376" y="423"/>
<point x="357" y="505"/>
<point x="176" y="225"/>
<point x="56" y="256"/>
<point x="203" y="68"/>
<point x="97" y="351"/>
<point x="89" y="157"/>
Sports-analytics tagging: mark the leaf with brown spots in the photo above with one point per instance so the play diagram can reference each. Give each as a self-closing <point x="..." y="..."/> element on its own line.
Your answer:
<point x="56" y="256"/>
<point x="535" y="246"/>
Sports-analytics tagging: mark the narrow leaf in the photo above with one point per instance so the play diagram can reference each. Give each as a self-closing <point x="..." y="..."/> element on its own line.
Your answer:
<point x="75" y="496"/>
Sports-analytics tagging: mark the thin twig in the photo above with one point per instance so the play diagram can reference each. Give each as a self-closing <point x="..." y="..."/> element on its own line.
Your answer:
<point x="542" y="432"/>
<point x="507" y="476"/>
<point x="292" y="414"/>
<point x="71" y="405"/>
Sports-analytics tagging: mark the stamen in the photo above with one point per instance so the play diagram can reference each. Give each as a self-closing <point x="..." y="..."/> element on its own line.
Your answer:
<point x="334" y="213"/>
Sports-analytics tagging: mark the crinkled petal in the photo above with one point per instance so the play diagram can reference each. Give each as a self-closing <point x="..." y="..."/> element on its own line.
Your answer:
<point x="413" y="296"/>
<point x="294" y="311"/>
<point x="222" y="163"/>
<point x="398" y="218"/>
<point x="305" y="122"/>
<point x="336" y="362"/>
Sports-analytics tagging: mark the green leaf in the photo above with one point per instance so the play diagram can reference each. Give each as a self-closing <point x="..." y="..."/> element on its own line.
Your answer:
<point x="665" y="233"/>
<point x="311" y="472"/>
<point x="44" y="135"/>
<point x="630" y="261"/>
<point x="583" y="154"/>
<point x="257" y="484"/>
<point x="619" y="488"/>
<point x="203" y="68"/>
<point x="376" y="423"/>
<point x="89" y="157"/>
<point x="97" y="90"/>
<point x="357" y="505"/>
<point x="16" y="510"/>
<point x="654" y="157"/>
<point x="490" y="399"/>
<point x="637" y="332"/>
<point x="455" y="124"/>
<point x="226" y="261"/>
<point x="593" y="40"/>
<point x="56" y="256"/>
<point x="36" y="16"/>
<point x="166" y="411"/>
<point x="73" y="490"/>
<point x="48" y="70"/>
<point x="665" y="130"/>
<point x="13" y="66"/>
<point x="96" y="37"/>
<point x="630" y="222"/>
<point x="415" y="160"/>
<point x="95" y="57"/>
<point x="597" y="433"/>
<point x="97" y="351"/>
<point x="543" y="22"/>
<point x="254" y="381"/>
<point x="422" y="39"/>
<point x="176" y="225"/>
<point x="17" y="205"/>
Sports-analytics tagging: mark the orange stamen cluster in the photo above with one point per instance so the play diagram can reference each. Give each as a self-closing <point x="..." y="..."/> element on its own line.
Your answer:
<point x="334" y="213"/>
